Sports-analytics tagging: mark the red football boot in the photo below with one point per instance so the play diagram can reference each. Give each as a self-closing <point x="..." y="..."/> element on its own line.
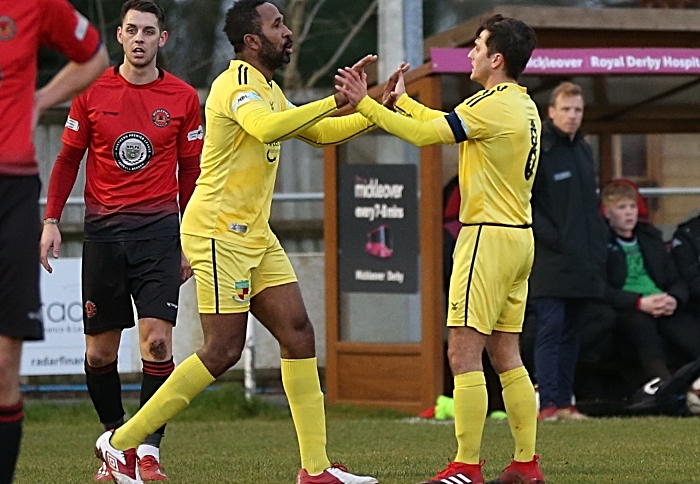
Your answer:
<point x="521" y="473"/>
<point x="459" y="473"/>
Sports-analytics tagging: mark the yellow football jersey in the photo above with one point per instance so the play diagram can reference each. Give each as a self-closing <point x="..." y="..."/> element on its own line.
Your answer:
<point x="247" y="118"/>
<point x="498" y="160"/>
<point x="499" y="132"/>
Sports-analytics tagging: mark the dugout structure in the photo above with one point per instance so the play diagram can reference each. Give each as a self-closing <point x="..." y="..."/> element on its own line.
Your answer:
<point x="640" y="71"/>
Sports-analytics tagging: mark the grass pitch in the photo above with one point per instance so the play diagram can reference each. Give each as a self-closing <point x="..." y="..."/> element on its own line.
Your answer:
<point x="221" y="438"/>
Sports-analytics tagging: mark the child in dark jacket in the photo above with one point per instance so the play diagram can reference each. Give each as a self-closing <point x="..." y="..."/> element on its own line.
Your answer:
<point x="645" y="287"/>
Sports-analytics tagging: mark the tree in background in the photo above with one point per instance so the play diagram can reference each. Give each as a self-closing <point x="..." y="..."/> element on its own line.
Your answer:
<point x="327" y="33"/>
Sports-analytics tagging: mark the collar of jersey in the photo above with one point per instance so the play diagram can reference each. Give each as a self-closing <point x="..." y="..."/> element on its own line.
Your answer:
<point x="253" y="71"/>
<point x="161" y="75"/>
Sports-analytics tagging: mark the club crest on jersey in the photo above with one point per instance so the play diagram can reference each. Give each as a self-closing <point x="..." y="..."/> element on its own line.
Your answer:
<point x="7" y="28"/>
<point x="132" y="151"/>
<point x="242" y="289"/>
<point x="161" y="118"/>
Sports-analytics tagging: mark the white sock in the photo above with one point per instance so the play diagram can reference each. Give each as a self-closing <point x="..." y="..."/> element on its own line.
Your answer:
<point x="145" y="449"/>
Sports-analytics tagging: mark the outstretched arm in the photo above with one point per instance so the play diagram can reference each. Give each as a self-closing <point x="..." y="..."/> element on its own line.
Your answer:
<point x="417" y="132"/>
<point x="393" y="98"/>
<point x="267" y="126"/>
<point x="337" y="130"/>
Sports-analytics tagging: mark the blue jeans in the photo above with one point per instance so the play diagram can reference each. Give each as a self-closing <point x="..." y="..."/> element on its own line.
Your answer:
<point x="556" y="348"/>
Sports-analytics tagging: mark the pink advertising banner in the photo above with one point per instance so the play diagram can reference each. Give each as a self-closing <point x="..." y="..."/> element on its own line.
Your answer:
<point x="585" y="61"/>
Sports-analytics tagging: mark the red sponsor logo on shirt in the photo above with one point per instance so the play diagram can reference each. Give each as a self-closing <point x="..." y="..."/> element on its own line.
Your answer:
<point x="7" y="28"/>
<point x="161" y="118"/>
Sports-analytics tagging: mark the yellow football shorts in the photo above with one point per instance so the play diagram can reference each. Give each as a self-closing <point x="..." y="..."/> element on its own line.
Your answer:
<point x="229" y="275"/>
<point x="488" y="287"/>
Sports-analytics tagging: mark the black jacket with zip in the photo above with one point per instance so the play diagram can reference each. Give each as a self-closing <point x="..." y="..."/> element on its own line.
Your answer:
<point x="686" y="253"/>
<point x="569" y="230"/>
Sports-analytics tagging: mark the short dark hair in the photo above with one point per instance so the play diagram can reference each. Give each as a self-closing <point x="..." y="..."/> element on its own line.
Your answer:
<point x="513" y="39"/>
<point x="147" y="6"/>
<point x="242" y="19"/>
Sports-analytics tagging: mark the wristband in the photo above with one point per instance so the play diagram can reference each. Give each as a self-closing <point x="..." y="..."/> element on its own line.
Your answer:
<point x="52" y="221"/>
<point x="639" y="303"/>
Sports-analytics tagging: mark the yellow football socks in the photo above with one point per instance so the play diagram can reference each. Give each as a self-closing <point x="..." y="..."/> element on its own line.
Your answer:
<point x="186" y="382"/>
<point x="519" y="399"/>
<point x="471" y="405"/>
<point x="303" y="389"/>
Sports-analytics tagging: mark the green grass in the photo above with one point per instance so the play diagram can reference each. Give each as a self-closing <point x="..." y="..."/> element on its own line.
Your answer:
<point x="221" y="438"/>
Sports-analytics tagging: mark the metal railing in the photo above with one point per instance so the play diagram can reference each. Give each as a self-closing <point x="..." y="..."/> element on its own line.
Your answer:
<point x="319" y="196"/>
<point x="659" y="192"/>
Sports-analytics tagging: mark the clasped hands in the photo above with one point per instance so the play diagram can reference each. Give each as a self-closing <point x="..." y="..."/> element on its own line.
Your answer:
<point x="351" y="84"/>
<point x="658" y="305"/>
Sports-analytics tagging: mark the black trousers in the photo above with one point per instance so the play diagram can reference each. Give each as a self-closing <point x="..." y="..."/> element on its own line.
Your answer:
<point x="650" y="337"/>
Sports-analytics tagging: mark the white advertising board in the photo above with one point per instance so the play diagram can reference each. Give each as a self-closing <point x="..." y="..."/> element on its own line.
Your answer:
<point x="63" y="350"/>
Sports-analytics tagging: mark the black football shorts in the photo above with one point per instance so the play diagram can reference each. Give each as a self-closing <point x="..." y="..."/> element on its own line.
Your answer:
<point x="20" y="306"/>
<point x="115" y="272"/>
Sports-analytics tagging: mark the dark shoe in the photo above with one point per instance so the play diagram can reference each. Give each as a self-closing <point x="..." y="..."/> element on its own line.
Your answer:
<point x="644" y="400"/>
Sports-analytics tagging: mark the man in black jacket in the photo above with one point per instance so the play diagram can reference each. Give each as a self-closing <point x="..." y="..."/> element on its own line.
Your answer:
<point x="569" y="250"/>
<point x="686" y="253"/>
<point x="645" y="288"/>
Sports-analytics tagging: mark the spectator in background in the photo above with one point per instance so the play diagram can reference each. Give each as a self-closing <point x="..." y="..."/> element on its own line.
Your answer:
<point x="686" y="253"/>
<point x="645" y="288"/>
<point x="569" y="250"/>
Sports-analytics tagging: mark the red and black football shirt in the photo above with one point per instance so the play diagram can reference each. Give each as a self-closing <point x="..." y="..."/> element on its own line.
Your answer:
<point x="24" y="26"/>
<point x="135" y="135"/>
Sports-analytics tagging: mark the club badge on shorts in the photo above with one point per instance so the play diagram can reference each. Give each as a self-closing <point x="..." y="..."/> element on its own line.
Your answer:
<point x="90" y="309"/>
<point x="242" y="289"/>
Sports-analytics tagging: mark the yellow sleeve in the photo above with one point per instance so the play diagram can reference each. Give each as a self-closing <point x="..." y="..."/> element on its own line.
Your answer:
<point x="258" y="120"/>
<point x="408" y="106"/>
<point x="419" y="133"/>
<point x="481" y="115"/>
<point x="333" y="131"/>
